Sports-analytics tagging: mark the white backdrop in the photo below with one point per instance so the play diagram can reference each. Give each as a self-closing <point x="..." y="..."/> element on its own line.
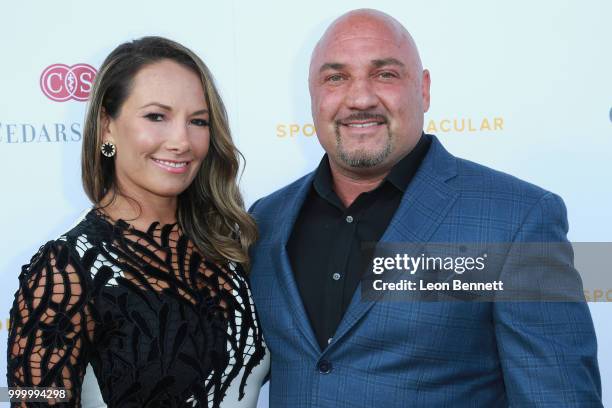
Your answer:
<point x="521" y="86"/>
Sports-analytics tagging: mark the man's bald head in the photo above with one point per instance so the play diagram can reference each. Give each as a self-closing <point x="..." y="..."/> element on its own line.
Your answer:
<point x="364" y="23"/>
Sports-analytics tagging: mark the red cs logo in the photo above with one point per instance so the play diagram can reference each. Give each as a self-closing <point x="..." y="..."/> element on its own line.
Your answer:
<point x="61" y="82"/>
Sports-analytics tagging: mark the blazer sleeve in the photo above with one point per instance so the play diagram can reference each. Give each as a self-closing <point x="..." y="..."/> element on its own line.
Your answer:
<point x="51" y="323"/>
<point x="548" y="350"/>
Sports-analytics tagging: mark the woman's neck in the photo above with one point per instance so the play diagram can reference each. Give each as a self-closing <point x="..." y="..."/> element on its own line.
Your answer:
<point x="138" y="212"/>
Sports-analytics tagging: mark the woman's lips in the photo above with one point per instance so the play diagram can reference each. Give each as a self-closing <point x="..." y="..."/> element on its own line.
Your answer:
<point x="172" y="166"/>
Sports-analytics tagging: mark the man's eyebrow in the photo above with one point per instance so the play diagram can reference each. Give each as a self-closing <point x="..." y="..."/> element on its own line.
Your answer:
<point x="332" y="65"/>
<point x="378" y="63"/>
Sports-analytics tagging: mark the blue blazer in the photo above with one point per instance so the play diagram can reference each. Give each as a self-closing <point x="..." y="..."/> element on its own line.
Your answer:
<point x="429" y="354"/>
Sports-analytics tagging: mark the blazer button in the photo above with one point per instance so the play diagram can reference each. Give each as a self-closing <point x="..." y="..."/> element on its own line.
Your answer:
<point x="324" y="367"/>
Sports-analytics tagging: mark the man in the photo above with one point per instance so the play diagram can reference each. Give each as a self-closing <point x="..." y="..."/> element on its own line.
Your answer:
<point x="383" y="180"/>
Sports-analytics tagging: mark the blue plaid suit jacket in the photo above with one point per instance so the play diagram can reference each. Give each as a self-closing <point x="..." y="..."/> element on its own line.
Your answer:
<point x="429" y="354"/>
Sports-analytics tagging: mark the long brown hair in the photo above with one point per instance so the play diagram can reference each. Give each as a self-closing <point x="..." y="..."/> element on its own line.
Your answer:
<point x="211" y="211"/>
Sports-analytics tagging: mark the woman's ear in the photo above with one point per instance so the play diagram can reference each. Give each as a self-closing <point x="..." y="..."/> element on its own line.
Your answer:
<point x="106" y="126"/>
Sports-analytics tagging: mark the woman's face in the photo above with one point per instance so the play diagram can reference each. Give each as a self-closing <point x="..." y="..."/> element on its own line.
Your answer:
<point x="161" y="133"/>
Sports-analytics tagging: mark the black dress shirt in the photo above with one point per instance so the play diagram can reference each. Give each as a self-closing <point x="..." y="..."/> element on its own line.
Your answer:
<point x="325" y="244"/>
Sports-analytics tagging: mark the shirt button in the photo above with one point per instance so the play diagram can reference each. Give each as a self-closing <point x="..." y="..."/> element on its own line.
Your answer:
<point x="324" y="367"/>
<point x="336" y="276"/>
<point x="349" y="219"/>
<point x="330" y="340"/>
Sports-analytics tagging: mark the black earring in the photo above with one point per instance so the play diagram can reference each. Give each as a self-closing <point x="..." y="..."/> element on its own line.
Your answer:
<point x="108" y="149"/>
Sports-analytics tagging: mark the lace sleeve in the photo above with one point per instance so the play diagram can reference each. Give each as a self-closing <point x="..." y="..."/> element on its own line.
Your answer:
<point x="51" y="324"/>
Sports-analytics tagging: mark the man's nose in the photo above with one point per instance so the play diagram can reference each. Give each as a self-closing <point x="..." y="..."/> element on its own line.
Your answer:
<point x="361" y="95"/>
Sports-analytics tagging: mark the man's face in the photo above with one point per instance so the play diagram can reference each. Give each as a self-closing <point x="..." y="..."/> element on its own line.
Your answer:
<point x="368" y="97"/>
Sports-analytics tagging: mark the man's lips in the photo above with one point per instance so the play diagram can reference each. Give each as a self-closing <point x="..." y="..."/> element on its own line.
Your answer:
<point x="362" y="125"/>
<point x="363" y="121"/>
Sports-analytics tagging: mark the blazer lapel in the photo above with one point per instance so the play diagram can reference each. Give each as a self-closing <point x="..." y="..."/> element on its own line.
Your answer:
<point x="423" y="207"/>
<point x="283" y="265"/>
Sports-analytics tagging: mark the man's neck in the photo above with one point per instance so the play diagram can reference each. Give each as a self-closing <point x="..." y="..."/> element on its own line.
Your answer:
<point x="349" y="186"/>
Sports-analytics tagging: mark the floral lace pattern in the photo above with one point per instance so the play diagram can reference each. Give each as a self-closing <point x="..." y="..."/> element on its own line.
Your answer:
<point x="160" y="325"/>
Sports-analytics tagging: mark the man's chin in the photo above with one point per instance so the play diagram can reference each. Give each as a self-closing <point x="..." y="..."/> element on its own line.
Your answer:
<point x="363" y="159"/>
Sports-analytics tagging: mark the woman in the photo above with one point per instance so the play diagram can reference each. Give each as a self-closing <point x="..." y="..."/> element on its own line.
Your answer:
<point x="149" y="288"/>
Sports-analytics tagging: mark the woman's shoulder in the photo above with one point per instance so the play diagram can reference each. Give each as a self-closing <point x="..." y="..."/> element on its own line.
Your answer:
<point x="89" y="224"/>
<point x="69" y="248"/>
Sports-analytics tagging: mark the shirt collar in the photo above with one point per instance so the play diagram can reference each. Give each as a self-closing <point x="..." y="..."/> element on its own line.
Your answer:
<point x="400" y="175"/>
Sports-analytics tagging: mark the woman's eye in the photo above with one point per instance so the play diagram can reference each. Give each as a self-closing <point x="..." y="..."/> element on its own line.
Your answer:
<point x="155" y="117"/>
<point x="200" y="122"/>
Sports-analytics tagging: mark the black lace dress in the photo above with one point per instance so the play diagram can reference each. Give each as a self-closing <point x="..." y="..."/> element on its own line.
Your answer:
<point x="160" y="325"/>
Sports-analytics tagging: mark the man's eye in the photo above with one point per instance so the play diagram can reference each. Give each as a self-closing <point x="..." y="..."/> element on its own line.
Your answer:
<point x="200" y="122"/>
<point x="155" y="117"/>
<point x="387" y="74"/>
<point x="334" y="78"/>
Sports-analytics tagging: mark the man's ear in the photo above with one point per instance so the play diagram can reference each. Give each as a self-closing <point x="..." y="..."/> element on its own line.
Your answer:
<point x="426" y="83"/>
